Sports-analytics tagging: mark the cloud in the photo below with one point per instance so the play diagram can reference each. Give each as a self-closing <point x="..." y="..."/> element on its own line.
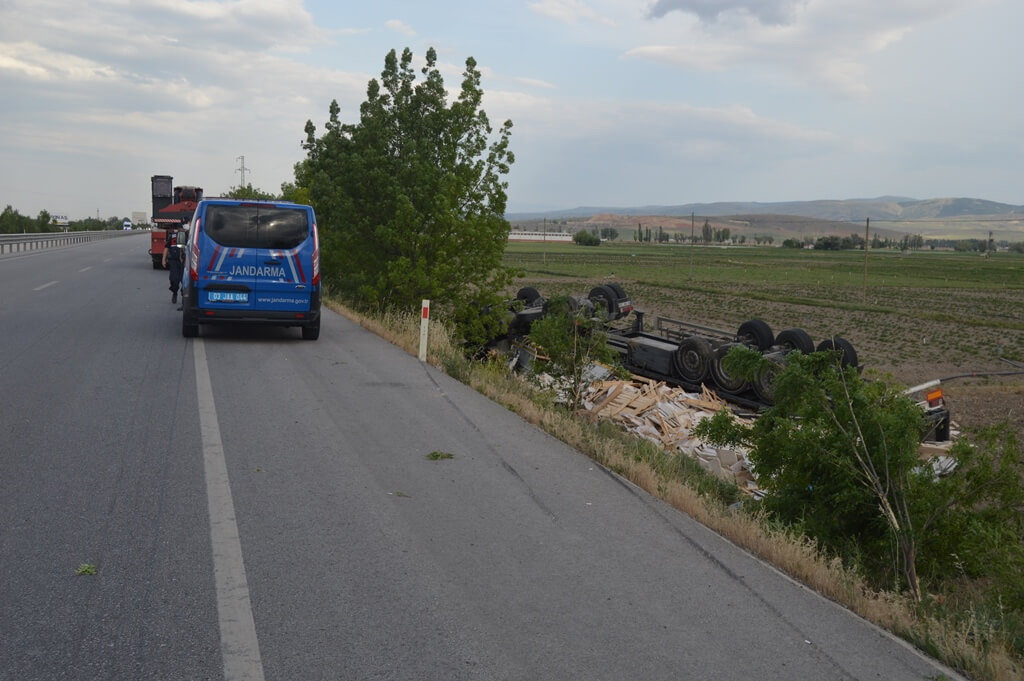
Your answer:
<point x="400" y="27"/>
<point x="533" y="82"/>
<point x="767" y="11"/>
<point x="570" y="12"/>
<point x="822" y="44"/>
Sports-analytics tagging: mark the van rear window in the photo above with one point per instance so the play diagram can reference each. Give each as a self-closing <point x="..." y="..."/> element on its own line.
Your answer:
<point x="255" y="226"/>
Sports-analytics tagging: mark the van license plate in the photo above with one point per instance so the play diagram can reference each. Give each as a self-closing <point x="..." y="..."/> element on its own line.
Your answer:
<point x="227" y="297"/>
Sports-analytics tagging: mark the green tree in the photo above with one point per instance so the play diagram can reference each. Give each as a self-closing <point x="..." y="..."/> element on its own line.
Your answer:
<point x="586" y="238"/>
<point x="839" y="457"/>
<point x="706" y="231"/>
<point x="249" y="192"/>
<point x="411" y="199"/>
<point x="570" y="341"/>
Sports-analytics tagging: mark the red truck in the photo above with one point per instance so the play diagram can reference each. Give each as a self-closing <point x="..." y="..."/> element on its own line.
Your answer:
<point x="172" y="209"/>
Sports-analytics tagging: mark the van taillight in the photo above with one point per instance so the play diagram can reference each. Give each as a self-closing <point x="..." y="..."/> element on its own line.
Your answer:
<point x="316" y="257"/>
<point x="193" y="261"/>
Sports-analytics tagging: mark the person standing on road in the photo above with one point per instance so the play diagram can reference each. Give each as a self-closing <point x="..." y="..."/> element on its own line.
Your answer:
<point x="174" y="260"/>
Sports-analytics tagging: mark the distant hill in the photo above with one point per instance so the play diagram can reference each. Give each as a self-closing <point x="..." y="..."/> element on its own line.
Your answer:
<point x="891" y="216"/>
<point x="846" y="210"/>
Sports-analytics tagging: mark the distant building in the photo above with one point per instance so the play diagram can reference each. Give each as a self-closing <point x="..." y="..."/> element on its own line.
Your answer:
<point x="539" y="236"/>
<point x="138" y="217"/>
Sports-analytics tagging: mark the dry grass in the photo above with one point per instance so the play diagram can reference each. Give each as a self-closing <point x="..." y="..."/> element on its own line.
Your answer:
<point x="965" y="646"/>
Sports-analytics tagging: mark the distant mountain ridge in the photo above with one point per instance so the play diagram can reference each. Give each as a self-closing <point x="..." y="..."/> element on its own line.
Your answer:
<point x="845" y="210"/>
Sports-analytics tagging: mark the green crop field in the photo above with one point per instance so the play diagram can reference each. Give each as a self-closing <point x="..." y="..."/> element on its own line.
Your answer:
<point x="915" y="317"/>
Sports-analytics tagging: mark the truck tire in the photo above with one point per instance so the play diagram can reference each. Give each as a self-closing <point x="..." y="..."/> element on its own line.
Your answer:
<point x="618" y="289"/>
<point x="763" y="384"/>
<point x="795" y="339"/>
<point x="604" y="297"/>
<point x="721" y="377"/>
<point x="756" y="333"/>
<point x="528" y="295"/>
<point x="692" y="359"/>
<point x="848" y="356"/>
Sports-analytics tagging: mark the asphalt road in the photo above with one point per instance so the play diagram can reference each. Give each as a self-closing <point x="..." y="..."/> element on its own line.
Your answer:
<point x="261" y="507"/>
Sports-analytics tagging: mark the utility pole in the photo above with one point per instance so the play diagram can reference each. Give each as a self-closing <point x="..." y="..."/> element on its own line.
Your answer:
<point x="691" y="245"/>
<point x="241" y="169"/>
<point x="867" y="228"/>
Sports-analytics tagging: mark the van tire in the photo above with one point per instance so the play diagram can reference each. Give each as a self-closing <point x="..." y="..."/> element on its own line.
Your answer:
<point x="311" y="332"/>
<point x="189" y="330"/>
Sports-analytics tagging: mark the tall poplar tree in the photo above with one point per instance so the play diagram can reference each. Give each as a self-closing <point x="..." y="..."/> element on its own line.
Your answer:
<point x="411" y="199"/>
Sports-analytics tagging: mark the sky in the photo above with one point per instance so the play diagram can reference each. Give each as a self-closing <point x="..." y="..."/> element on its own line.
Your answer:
<point x="614" y="103"/>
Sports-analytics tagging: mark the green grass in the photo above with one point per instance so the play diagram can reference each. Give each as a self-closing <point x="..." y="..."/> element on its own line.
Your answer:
<point x="86" y="569"/>
<point x="680" y="265"/>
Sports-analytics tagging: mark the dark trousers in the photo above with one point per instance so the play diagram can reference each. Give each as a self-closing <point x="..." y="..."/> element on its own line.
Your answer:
<point x="175" y="267"/>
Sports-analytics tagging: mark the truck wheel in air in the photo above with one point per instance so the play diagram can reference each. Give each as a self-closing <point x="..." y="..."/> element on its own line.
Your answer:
<point x="763" y="384"/>
<point x="795" y="339"/>
<point x="848" y="356"/>
<point x="723" y="380"/>
<point x="605" y="298"/>
<point x="528" y="295"/>
<point x="692" y="359"/>
<point x="756" y="333"/>
<point x="618" y="289"/>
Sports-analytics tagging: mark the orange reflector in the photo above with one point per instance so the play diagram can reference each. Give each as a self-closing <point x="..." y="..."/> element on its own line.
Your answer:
<point x="934" y="397"/>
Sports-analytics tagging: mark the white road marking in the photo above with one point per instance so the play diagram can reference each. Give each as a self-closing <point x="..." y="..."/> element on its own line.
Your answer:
<point x="240" y="649"/>
<point x="46" y="285"/>
<point x="85" y="269"/>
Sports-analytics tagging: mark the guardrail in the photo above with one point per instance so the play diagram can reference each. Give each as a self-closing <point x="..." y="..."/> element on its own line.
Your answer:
<point x="17" y="243"/>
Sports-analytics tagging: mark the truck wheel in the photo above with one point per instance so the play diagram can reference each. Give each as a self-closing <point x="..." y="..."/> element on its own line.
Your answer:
<point x="795" y="339"/>
<point x="756" y="333"/>
<point x="618" y="289"/>
<point x="722" y="379"/>
<point x="848" y="356"/>
<point x="692" y="359"/>
<point x="528" y="295"/>
<point x="604" y="296"/>
<point x="311" y="332"/>
<point x="763" y="384"/>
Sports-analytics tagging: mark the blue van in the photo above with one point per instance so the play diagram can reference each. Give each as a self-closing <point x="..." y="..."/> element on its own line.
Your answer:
<point x="252" y="262"/>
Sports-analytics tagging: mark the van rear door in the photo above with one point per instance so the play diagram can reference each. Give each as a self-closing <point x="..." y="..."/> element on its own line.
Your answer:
<point x="227" y="256"/>
<point x="284" y="260"/>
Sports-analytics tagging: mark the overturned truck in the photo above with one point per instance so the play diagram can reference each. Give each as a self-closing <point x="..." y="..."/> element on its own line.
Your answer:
<point x="692" y="356"/>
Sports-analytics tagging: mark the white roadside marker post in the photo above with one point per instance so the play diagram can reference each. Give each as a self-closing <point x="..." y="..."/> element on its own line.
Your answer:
<point x="424" y="325"/>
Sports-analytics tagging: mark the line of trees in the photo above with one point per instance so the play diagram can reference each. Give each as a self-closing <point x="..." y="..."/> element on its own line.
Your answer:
<point x="13" y="222"/>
